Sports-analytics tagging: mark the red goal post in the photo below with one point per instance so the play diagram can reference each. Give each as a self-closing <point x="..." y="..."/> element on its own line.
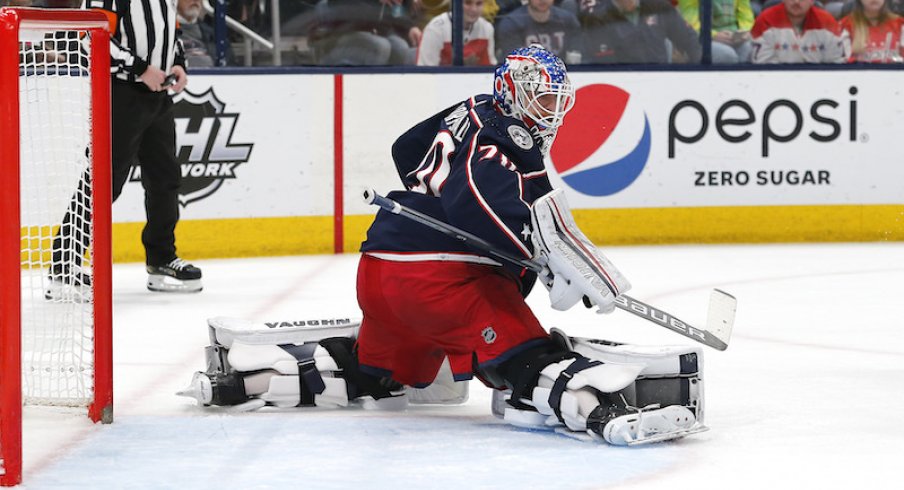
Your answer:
<point x="54" y="144"/>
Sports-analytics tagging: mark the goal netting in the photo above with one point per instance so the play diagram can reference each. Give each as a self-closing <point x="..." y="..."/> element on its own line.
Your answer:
<point x="54" y="207"/>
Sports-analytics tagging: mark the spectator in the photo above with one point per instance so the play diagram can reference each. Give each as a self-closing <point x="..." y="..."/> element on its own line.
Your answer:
<point x="557" y="29"/>
<point x="731" y="23"/>
<point x="636" y="31"/>
<point x="838" y="8"/>
<point x="508" y="6"/>
<point x="436" y="45"/>
<point x="428" y="9"/>
<point x="798" y="32"/>
<point x="198" y="37"/>
<point x="875" y="33"/>
<point x="365" y="32"/>
<point x="254" y="14"/>
<point x="895" y="6"/>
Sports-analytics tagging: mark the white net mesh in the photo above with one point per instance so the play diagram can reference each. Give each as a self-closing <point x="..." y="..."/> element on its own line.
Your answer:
<point x="57" y="303"/>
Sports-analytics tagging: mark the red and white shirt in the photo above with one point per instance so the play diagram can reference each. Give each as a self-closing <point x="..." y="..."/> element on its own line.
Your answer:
<point x="776" y="40"/>
<point x="883" y="44"/>
<point x="436" y="43"/>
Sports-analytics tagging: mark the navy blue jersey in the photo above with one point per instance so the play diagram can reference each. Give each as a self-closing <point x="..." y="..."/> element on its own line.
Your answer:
<point x="473" y="168"/>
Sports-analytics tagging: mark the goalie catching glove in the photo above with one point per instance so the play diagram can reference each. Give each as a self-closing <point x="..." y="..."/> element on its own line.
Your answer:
<point x="577" y="269"/>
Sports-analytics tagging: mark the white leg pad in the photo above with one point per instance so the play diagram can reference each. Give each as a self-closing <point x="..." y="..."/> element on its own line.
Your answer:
<point x="243" y="357"/>
<point x="680" y="363"/>
<point x="225" y="330"/>
<point x="579" y="398"/>
<point x="637" y="395"/>
<point x="285" y="391"/>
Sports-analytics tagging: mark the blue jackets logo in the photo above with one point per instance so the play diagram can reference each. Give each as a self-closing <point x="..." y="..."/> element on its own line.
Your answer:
<point x="204" y="146"/>
<point x="604" y="143"/>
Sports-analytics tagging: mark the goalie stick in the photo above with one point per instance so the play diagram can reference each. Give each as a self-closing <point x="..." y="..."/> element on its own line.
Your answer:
<point x="722" y="306"/>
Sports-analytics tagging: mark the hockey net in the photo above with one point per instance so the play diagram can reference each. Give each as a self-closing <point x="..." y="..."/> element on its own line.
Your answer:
<point x="55" y="303"/>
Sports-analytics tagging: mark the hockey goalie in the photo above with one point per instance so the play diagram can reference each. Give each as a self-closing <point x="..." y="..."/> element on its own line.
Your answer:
<point x="437" y="312"/>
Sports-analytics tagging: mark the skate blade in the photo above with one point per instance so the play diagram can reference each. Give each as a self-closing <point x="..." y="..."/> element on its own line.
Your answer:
<point x="668" y="436"/>
<point x="167" y="284"/>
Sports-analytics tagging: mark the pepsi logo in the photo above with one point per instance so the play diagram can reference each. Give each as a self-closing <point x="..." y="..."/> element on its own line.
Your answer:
<point x="604" y="142"/>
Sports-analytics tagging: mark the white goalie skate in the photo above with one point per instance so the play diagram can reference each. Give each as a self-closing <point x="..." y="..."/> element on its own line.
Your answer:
<point x="68" y="285"/>
<point x="651" y="424"/>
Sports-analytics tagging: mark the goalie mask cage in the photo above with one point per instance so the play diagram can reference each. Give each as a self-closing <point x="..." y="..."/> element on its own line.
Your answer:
<point x="55" y="349"/>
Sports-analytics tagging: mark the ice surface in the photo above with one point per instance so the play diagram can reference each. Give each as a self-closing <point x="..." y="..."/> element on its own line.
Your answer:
<point x="807" y="395"/>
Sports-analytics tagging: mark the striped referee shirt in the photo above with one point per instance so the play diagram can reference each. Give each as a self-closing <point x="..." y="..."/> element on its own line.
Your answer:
<point x="145" y="35"/>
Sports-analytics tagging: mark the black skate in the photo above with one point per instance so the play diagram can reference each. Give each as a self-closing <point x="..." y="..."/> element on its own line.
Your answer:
<point x="68" y="284"/>
<point x="177" y="276"/>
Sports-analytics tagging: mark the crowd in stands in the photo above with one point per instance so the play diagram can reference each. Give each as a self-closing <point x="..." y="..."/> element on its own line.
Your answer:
<point x="419" y="32"/>
<point x="366" y="32"/>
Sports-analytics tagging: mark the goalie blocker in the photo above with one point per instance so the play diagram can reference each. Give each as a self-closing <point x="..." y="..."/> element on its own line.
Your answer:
<point x="620" y="393"/>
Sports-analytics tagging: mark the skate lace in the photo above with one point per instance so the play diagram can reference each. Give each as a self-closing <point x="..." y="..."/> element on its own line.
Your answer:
<point x="639" y="410"/>
<point x="178" y="264"/>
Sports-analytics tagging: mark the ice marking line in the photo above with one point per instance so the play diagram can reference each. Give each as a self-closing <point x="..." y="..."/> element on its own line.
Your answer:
<point x="64" y="447"/>
<point x="186" y="365"/>
<point x="296" y="286"/>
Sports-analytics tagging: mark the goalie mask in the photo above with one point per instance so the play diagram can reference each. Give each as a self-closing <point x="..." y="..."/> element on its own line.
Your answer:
<point x="532" y="85"/>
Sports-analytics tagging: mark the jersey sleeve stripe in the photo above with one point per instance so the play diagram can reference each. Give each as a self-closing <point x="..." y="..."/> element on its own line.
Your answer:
<point x="486" y="207"/>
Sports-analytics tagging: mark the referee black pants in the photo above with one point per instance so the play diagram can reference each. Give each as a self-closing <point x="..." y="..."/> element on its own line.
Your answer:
<point x="143" y="132"/>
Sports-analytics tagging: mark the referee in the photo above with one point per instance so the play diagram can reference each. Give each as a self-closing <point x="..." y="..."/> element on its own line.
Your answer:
<point x="146" y="60"/>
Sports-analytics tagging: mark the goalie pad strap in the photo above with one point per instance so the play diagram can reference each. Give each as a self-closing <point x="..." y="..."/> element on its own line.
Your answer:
<point x="559" y="387"/>
<point x="357" y="382"/>
<point x="310" y="382"/>
<point x="522" y="371"/>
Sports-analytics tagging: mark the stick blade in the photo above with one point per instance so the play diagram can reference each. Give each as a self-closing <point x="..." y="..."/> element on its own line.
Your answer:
<point x="721" y="316"/>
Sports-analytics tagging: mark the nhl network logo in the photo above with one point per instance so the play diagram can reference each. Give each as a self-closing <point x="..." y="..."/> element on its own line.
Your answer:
<point x="204" y="145"/>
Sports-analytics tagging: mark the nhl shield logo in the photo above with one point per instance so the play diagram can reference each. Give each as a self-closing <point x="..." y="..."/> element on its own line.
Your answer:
<point x="204" y="146"/>
<point x="489" y="335"/>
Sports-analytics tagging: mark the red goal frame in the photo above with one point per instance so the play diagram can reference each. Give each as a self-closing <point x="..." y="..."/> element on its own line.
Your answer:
<point x="12" y="20"/>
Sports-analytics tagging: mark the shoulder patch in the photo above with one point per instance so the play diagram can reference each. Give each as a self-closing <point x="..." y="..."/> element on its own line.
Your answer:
<point x="458" y="121"/>
<point x="521" y="137"/>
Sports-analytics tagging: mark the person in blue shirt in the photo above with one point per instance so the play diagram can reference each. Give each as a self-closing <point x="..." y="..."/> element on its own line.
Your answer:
<point x="541" y="22"/>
